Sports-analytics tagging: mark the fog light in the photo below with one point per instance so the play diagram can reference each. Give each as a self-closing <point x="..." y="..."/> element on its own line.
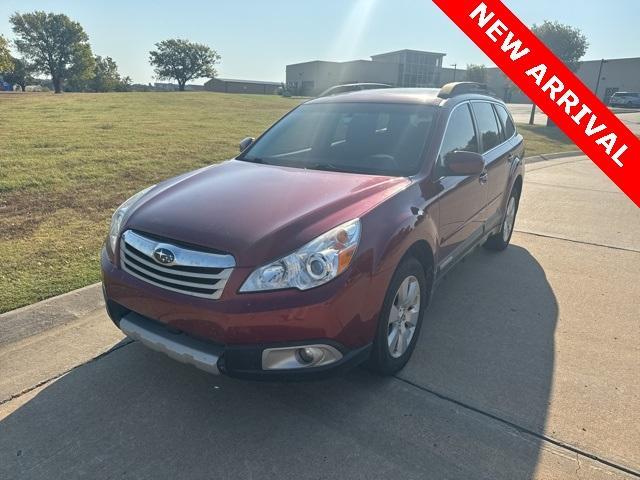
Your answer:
<point x="301" y="356"/>
<point x="309" y="355"/>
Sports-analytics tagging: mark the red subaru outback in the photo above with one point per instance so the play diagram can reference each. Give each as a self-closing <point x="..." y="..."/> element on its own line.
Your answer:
<point x="319" y="246"/>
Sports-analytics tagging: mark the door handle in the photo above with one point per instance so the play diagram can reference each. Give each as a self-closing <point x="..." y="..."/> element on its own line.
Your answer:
<point x="484" y="177"/>
<point x="510" y="157"/>
<point x="418" y="212"/>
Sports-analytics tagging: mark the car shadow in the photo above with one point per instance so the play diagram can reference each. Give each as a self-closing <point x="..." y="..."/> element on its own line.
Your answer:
<point x="487" y="342"/>
<point x="488" y="337"/>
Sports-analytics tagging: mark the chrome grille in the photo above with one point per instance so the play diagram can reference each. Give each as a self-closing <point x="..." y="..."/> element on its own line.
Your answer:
<point x="192" y="272"/>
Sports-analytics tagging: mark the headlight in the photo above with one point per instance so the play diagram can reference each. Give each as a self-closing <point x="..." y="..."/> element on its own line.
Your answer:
<point x="316" y="263"/>
<point x="119" y="215"/>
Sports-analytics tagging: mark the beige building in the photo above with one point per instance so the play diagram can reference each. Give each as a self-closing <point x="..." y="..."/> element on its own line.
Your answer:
<point x="403" y="68"/>
<point x="607" y="76"/>
<point x="228" y="85"/>
<point x="415" y="68"/>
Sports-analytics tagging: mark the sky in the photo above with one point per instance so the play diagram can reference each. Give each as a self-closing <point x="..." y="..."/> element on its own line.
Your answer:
<point x="258" y="38"/>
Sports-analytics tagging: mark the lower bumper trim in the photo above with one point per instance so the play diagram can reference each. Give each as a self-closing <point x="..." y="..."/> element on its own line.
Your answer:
<point x="239" y="361"/>
<point x="177" y="346"/>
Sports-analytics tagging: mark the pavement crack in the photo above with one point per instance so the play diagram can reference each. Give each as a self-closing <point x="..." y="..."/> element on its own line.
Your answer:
<point x="61" y="374"/>
<point x="524" y="430"/>
<point x="593" y="244"/>
<point x="579" y="466"/>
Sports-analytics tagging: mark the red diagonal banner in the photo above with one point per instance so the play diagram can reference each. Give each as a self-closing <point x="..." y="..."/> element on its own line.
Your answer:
<point x="553" y="87"/>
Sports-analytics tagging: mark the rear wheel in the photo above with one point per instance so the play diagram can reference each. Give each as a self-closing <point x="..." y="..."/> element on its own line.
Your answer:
<point x="401" y="318"/>
<point x="500" y="240"/>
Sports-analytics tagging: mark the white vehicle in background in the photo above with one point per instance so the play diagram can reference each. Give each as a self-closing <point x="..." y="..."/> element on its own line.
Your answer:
<point x="625" y="99"/>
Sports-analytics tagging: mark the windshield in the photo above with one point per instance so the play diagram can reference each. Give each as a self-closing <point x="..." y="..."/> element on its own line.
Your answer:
<point x="382" y="139"/>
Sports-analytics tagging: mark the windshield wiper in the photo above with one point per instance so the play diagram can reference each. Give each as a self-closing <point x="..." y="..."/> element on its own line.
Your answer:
<point x="253" y="160"/>
<point x="329" y="167"/>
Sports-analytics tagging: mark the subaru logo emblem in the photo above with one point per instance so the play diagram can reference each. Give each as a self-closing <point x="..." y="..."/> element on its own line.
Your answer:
<point x="164" y="256"/>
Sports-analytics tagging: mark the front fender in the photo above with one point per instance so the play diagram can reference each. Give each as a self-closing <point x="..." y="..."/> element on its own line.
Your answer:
<point x="395" y="226"/>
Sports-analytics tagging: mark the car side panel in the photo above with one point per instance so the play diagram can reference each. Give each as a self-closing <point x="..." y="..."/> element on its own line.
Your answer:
<point x="461" y="206"/>
<point x="461" y="201"/>
<point x="498" y="165"/>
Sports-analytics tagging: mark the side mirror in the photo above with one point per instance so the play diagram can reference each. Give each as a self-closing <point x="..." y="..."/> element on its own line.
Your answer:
<point x="246" y="143"/>
<point x="464" y="163"/>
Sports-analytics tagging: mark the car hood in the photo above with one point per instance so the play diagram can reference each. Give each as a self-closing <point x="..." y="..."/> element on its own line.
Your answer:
<point x="257" y="212"/>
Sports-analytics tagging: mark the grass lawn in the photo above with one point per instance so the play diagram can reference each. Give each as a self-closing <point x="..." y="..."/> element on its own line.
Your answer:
<point x="540" y="139"/>
<point x="67" y="161"/>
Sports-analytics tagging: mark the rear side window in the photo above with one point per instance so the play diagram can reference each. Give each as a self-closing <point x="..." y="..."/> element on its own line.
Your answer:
<point x="487" y="125"/>
<point x="460" y="135"/>
<point x="507" y="124"/>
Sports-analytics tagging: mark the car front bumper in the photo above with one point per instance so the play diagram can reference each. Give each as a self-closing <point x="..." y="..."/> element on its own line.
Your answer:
<point x="231" y="335"/>
<point x="240" y="361"/>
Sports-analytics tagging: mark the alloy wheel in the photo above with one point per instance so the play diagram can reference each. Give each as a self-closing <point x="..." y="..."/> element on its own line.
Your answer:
<point x="509" y="220"/>
<point x="403" y="317"/>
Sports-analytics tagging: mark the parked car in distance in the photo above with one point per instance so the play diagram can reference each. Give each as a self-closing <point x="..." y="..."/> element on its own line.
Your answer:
<point x="352" y="87"/>
<point x="319" y="246"/>
<point x="625" y="100"/>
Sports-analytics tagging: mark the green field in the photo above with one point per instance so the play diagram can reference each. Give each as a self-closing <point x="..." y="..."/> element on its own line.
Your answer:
<point x="66" y="161"/>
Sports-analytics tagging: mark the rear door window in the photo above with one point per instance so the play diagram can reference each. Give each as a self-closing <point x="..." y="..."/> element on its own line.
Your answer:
<point x="507" y="124"/>
<point x="487" y="125"/>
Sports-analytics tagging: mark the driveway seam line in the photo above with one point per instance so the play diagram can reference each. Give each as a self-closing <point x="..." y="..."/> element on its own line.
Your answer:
<point x="544" y="167"/>
<point x="574" y="188"/>
<point x="14" y="396"/>
<point x="521" y="429"/>
<point x="613" y="247"/>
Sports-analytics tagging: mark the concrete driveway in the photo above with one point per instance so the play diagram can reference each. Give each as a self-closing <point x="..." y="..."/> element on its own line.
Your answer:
<point x="527" y="367"/>
<point x="521" y="113"/>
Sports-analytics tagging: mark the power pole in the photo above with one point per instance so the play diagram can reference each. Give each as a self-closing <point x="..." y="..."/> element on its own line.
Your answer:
<point x="533" y="114"/>
<point x="602" y="62"/>
<point x="455" y="69"/>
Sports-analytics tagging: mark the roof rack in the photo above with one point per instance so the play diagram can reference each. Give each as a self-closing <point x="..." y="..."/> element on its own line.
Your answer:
<point x="460" y="88"/>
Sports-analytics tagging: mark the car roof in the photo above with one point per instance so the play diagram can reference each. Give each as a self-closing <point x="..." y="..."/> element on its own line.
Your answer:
<point x="417" y="96"/>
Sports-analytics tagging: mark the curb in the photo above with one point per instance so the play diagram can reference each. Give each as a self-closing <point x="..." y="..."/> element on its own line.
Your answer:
<point x="553" y="156"/>
<point x="50" y="313"/>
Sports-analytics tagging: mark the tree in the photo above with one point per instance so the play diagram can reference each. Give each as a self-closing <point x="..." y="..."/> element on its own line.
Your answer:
<point x="6" y="62"/>
<point x="81" y="72"/>
<point x="19" y="74"/>
<point x="569" y="44"/>
<point x="106" y="76"/>
<point x="508" y="89"/>
<point x="477" y="73"/>
<point x="53" y="44"/>
<point x="183" y="60"/>
<point x="125" y="84"/>
<point x="103" y="77"/>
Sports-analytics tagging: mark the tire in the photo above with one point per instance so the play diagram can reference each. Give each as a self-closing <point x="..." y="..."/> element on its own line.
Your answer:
<point x="388" y="356"/>
<point x="500" y="240"/>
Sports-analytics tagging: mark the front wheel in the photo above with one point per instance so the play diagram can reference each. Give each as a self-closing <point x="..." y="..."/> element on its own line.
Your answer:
<point x="401" y="318"/>
<point x="499" y="241"/>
